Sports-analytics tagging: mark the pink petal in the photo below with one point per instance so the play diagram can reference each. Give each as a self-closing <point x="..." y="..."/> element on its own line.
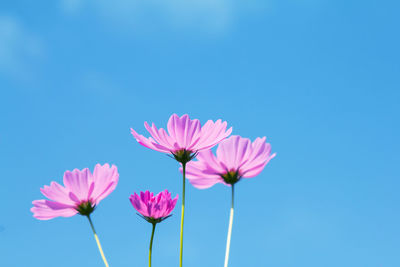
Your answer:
<point x="232" y="152"/>
<point x="159" y="136"/>
<point x="77" y="182"/>
<point x="105" y="179"/>
<point x="200" y="169"/>
<point x="149" y="142"/>
<point x="46" y="210"/>
<point x="180" y="124"/>
<point x="211" y="134"/>
<point x="138" y="204"/>
<point x="254" y="170"/>
<point x="57" y="193"/>
<point x="155" y="207"/>
<point x="206" y="171"/>
<point x="205" y="183"/>
<point x="171" y="126"/>
<point x="182" y="130"/>
<point x="258" y="158"/>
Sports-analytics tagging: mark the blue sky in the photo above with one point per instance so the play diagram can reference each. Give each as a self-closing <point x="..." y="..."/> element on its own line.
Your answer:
<point x="319" y="78"/>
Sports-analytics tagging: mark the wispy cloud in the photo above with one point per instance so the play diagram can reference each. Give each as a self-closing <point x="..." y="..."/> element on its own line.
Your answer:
<point x="19" y="49"/>
<point x="97" y="83"/>
<point x="211" y="16"/>
<point x="71" y="6"/>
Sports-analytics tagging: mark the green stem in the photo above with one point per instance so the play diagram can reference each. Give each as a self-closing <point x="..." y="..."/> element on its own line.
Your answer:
<point x="228" y="241"/>
<point x="151" y="243"/>
<point x="97" y="241"/>
<point x="182" y="214"/>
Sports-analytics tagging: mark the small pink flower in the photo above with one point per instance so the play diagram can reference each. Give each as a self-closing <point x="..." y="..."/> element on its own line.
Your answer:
<point x="154" y="208"/>
<point x="81" y="194"/>
<point x="236" y="158"/>
<point x="185" y="137"/>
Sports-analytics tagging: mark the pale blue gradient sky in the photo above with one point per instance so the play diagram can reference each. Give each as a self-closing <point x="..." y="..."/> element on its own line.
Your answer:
<point x="319" y="78"/>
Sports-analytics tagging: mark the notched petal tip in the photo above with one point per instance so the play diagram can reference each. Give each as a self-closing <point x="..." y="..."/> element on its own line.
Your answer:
<point x="135" y="134"/>
<point x="229" y="131"/>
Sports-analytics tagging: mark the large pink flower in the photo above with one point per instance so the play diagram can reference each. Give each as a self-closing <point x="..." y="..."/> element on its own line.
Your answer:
<point x="154" y="208"/>
<point x="81" y="193"/>
<point x="185" y="137"/>
<point x="236" y="158"/>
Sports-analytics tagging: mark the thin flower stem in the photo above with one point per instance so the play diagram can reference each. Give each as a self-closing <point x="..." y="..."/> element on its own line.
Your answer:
<point x="97" y="241"/>
<point x="228" y="241"/>
<point x="151" y="243"/>
<point x="182" y="214"/>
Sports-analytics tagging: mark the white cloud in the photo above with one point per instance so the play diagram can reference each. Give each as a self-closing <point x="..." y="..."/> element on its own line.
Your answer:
<point x="210" y="16"/>
<point x="71" y="6"/>
<point x="19" y="49"/>
<point x="97" y="83"/>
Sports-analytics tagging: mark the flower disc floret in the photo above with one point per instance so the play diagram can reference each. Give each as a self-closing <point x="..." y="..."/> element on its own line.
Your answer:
<point x="85" y="208"/>
<point x="231" y="177"/>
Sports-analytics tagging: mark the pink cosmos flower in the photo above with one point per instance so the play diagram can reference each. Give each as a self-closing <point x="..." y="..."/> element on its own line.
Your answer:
<point x="154" y="208"/>
<point x="81" y="193"/>
<point x="236" y="158"/>
<point x="185" y="137"/>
